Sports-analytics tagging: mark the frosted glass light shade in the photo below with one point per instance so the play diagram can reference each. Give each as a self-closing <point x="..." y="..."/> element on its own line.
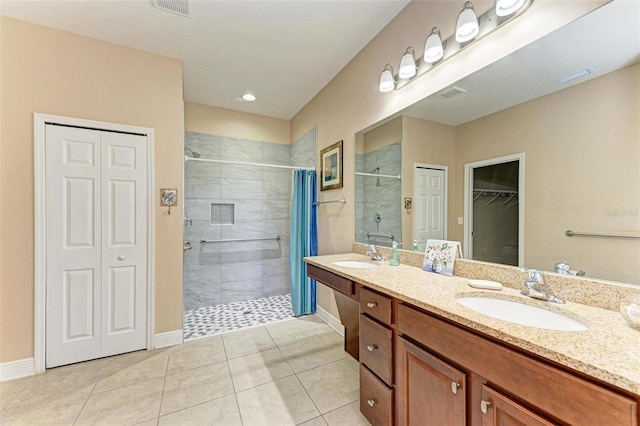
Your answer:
<point x="467" y="26"/>
<point x="507" y="7"/>
<point x="387" y="83"/>
<point x="433" y="49"/>
<point x="407" y="64"/>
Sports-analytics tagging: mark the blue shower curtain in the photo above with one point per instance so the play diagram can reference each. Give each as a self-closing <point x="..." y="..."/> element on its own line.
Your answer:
<point x="303" y="240"/>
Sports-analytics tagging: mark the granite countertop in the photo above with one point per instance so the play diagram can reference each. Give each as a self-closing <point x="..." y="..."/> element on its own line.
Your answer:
<point x="609" y="350"/>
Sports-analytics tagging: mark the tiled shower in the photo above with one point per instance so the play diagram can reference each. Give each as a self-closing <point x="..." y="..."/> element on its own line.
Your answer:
<point x="230" y="284"/>
<point x="379" y="197"/>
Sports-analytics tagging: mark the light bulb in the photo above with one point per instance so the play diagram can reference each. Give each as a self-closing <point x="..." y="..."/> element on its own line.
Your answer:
<point x="433" y="50"/>
<point x="407" y="64"/>
<point x="507" y="7"/>
<point x="467" y="27"/>
<point x="387" y="83"/>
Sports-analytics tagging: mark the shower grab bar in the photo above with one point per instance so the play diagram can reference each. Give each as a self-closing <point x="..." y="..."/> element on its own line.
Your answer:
<point x="341" y="200"/>
<point x="570" y="233"/>
<point x="205" y="241"/>
<point x="390" y="236"/>
<point x="379" y="175"/>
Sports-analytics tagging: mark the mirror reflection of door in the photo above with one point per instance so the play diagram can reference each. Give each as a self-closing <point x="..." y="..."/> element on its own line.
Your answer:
<point x="429" y="191"/>
<point x="494" y="214"/>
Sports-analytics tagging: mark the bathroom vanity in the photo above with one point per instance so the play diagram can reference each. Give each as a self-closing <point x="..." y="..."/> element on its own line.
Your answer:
<point x="426" y="359"/>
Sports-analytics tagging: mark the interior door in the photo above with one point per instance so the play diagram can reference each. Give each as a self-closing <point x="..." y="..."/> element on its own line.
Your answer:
<point x="96" y="284"/>
<point x="429" y="209"/>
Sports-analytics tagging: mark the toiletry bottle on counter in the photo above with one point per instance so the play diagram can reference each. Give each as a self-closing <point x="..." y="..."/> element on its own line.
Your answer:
<point x="415" y="245"/>
<point x="394" y="260"/>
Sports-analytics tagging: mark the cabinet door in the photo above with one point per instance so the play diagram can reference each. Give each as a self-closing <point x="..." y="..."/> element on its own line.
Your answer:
<point x="429" y="391"/>
<point x="498" y="409"/>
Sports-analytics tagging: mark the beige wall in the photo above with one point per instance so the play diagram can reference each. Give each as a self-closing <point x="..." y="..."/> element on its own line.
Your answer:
<point x="351" y="101"/>
<point x="386" y="134"/>
<point x="54" y="72"/>
<point x="582" y="171"/>
<point x="432" y="143"/>
<point x="234" y="124"/>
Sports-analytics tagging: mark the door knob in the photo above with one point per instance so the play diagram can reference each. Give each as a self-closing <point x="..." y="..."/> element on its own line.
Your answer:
<point x="121" y="257"/>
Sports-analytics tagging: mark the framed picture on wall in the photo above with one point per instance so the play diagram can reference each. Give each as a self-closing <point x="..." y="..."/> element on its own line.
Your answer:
<point x="331" y="167"/>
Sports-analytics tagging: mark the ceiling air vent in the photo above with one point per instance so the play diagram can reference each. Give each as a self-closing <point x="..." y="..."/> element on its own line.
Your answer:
<point x="451" y="92"/>
<point x="179" y="7"/>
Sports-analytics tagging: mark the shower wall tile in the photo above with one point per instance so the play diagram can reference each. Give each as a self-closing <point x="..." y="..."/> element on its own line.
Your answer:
<point x="276" y="267"/>
<point x="243" y="230"/>
<point x="280" y="175"/>
<point x="238" y="291"/>
<point x="241" y="271"/>
<point x="207" y="145"/>
<point x="242" y="189"/>
<point x="276" y="190"/>
<point x="276" y="227"/>
<point x="276" y="285"/>
<point x="276" y="209"/>
<point x="199" y="296"/>
<point x="239" y="171"/>
<point x="247" y="211"/>
<point x="195" y="169"/>
<point x="277" y="250"/>
<point x="201" y="229"/>
<point x="202" y="188"/>
<point x="275" y="153"/>
<point x="304" y="150"/>
<point x="199" y="209"/>
<point x="241" y="150"/>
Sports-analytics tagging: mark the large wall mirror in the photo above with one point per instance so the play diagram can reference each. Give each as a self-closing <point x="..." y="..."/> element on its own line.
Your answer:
<point x="507" y="160"/>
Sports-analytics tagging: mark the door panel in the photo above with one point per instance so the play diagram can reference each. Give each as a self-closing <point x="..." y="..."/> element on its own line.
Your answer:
<point x="429" y="205"/>
<point x="122" y="285"/>
<point x="77" y="304"/>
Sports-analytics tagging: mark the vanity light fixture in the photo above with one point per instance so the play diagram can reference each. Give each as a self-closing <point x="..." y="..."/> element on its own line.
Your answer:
<point x="407" y="64"/>
<point x="248" y="97"/>
<point x="433" y="49"/>
<point x="507" y="7"/>
<point x="467" y="27"/>
<point x="387" y="82"/>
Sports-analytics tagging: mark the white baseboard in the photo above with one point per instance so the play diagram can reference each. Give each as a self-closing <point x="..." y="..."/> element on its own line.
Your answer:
<point x="169" y="338"/>
<point x="332" y="321"/>
<point x="17" y="369"/>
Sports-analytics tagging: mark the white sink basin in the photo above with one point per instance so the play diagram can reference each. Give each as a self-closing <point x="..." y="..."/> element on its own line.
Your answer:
<point x="520" y="313"/>
<point x="355" y="264"/>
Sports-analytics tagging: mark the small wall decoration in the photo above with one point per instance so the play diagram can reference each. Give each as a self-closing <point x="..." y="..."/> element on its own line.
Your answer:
<point x="440" y="256"/>
<point x="331" y="167"/>
<point x="408" y="203"/>
<point x="168" y="198"/>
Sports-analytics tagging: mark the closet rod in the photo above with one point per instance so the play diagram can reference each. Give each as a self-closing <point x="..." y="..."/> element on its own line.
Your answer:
<point x="570" y="233"/>
<point x="379" y="175"/>
<point x="341" y="200"/>
<point x="244" y="163"/>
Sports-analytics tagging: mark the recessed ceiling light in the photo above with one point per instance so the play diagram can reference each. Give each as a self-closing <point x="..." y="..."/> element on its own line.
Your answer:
<point x="248" y="97"/>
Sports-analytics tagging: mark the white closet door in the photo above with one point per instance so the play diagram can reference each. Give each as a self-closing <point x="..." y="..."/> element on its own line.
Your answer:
<point x="429" y="205"/>
<point x="96" y="194"/>
<point x="73" y="325"/>
<point x="124" y="242"/>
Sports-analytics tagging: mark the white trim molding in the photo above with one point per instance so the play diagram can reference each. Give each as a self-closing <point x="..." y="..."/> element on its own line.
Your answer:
<point x="331" y="321"/>
<point x="169" y="338"/>
<point x="17" y="369"/>
<point x="39" y="122"/>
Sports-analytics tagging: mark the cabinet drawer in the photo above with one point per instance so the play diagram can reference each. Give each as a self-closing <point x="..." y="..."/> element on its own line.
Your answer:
<point x="376" y="399"/>
<point x="375" y="305"/>
<point x="376" y="348"/>
<point x="548" y="390"/>
<point x="336" y="282"/>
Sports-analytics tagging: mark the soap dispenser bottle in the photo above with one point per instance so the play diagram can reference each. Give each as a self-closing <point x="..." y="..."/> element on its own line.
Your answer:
<point x="394" y="260"/>
<point x="415" y="245"/>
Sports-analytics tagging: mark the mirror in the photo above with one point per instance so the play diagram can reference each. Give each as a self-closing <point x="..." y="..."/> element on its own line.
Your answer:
<point x="569" y="104"/>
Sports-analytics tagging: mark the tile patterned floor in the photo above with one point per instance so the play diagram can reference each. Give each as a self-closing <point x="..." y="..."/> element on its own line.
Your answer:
<point x="212" y="320"/>
<point x="288" y="373"/>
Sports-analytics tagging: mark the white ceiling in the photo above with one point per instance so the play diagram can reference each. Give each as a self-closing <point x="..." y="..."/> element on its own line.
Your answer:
<point x="604" y="40"/>
<point x="284" y="51"/>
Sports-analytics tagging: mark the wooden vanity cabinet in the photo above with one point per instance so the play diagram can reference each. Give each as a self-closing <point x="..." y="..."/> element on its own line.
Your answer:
<point x="508" y="387"/>
<point x="376" y="357"/>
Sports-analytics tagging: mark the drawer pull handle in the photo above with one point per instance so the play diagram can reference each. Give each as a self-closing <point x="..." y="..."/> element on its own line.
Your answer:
<point x="454" y="387"/>
<point x="484" y="406"/>
<point x="370" y="348"/>
<point x="371" y="402"/>
<point x="371" y="304"/>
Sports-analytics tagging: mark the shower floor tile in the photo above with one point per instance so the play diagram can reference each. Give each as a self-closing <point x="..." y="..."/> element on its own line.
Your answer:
<point x="223" y="318"/>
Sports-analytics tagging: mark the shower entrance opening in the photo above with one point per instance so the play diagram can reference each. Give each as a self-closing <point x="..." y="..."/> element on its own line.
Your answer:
<point x="237" y="196"/>
<point x="494" y="210"/>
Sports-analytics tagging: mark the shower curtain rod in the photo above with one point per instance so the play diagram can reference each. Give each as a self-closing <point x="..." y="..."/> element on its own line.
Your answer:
<point x="186" y="158"/>
<point x="379" y="175"/>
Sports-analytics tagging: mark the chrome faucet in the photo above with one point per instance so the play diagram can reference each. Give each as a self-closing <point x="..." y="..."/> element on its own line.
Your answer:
<point x="371" y="251"/>
<point x="536" y="287"/>
<point x="187" y="219"/>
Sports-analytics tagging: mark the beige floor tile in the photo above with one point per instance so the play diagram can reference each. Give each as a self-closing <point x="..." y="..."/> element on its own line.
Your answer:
<point x="57" y="409"/>
<point x="331" y="386"/>
<point x="195" y="354"/>
<point x="136" y="367"/>
<point x="256" y="369"/>
<point x="11" y="388"/>
<point x="349" y="415"/>
<point x="128" y="405"/>
<point x="280" y="403"/>
<point x="287" y="332"/>
<point x="247" y="342"/>
<point x="195" y="386"/>
<point x="222" y="411"/>
<point x="318" y="421"/>
<point x="311" y="352"/>
<point x="152" y="422"/>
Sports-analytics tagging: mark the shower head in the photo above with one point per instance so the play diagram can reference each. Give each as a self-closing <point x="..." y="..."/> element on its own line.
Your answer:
<point x="194" y="154"/>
